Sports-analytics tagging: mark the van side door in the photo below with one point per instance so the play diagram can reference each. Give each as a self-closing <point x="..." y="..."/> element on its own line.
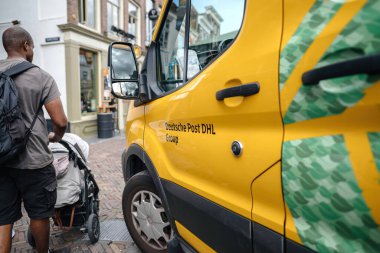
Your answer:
<point x="331" y="158"/>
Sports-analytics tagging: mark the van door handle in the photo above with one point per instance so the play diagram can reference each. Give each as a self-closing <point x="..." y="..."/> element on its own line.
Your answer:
<point x="369" y="65"/>
<point x="236" y="91"/>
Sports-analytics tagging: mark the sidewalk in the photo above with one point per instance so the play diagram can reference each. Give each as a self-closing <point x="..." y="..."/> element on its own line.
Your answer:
<point x="105" y="162"/>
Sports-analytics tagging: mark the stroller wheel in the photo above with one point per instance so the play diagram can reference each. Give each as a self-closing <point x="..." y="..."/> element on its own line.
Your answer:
<point x="93" y="228"/>
<point x="30" y="239"/>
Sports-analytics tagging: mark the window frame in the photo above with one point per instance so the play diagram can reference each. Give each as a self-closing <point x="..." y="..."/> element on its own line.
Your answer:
<point x="186" y="80"/>
<point x="185" y="47"/>
<point x="118" y="7"/>
<point x="137" y="19"/>
<point x="83" y="14"/>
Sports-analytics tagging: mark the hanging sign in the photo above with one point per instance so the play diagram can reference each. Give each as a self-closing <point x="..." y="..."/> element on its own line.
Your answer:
<point x="153" y="14"/>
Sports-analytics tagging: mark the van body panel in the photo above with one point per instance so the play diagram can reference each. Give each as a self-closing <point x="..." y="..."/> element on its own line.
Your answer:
<point x="135" y="125"/>
<point x="268" y="204"/>
<point x="200" y="158"/>
<point x="191" y="162"/>
<point x="214" y="225"/>
<point x="266" y="240"/>
<point x="308" y="176"/>
<point x="194" y="241"/>
<point x="329" y="171"/>
<point x="293" y="17"/>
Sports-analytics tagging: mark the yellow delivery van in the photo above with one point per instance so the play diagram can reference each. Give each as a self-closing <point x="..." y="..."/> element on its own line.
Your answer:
<point x="255" y="127"/>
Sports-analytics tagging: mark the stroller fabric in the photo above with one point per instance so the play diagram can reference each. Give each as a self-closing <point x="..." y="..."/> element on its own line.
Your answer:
<point x="61" y="164"/>
<point x="69" y="186"/>
<point x="69" y="176"/>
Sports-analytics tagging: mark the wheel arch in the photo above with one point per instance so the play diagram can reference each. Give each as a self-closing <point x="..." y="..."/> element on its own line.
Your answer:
<point x="132" y="164"/>
<point x="135" y="160"/>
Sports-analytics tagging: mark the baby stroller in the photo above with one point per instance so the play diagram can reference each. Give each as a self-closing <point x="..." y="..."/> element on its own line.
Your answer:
<point x="77" y="202"/>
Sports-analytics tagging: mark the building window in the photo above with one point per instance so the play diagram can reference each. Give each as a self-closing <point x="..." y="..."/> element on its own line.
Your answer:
<point x="113" y="10"/>
<point x="87" y="12"/>
<point x="149" y="23"/>
<point x="88" y="80"/>
<point x="133" y="20"/>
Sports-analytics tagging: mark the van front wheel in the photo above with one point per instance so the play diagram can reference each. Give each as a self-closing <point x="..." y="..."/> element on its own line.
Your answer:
<point x="144" y="214"/>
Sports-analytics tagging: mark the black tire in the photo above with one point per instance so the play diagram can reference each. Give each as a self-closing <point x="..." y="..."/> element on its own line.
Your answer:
<point x="137" y="186"/>
<point x="30" y="238"/>
<point x="93" y="228"/>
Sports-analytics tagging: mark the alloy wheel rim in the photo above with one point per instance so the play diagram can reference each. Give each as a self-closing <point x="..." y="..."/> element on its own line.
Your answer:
<point x="150" y="220"/>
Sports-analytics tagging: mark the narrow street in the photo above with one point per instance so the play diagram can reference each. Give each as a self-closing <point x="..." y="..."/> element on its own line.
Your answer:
<point x="104" y="160"/>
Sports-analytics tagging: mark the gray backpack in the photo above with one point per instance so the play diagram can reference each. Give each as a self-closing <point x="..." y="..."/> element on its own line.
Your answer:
<point x="14" y="134"/>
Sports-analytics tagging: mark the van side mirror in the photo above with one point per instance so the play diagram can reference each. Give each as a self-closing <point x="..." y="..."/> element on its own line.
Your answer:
<point x="123" y="74"/>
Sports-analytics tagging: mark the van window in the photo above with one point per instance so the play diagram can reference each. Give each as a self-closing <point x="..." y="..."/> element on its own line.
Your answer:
<point x="213" y="26"/>
<point x="171" y="46"/>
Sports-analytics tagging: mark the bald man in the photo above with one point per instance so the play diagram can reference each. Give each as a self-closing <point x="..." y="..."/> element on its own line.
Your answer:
<point x="30" y="177"/>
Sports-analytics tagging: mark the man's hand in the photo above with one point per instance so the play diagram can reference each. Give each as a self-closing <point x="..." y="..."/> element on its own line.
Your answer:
<point x="53" y="137"/>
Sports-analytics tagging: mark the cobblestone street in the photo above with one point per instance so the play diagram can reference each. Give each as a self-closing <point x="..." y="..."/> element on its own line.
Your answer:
<point x="105" y="162"/>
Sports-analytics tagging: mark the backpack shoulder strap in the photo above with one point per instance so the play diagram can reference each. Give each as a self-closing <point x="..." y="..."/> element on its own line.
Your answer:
<point x="19" y="68"/>
<point x="36" y="115"/>
<point x="29" y="130"/>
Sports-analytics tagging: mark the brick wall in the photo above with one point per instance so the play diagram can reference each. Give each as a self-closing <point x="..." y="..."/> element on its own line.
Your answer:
<point x="72" y="11"/>
<point x="73" y="15"/>
<point x="103" y="16"/>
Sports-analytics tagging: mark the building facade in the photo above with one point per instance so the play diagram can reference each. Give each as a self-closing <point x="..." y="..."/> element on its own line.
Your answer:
<point x="71" y="40"/>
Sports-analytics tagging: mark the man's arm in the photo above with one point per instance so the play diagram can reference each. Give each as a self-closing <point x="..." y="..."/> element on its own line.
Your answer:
<point x="58" y="118"/>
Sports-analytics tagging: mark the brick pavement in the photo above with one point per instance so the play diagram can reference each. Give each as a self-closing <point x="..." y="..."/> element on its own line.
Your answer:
<point x="105" y="162"/>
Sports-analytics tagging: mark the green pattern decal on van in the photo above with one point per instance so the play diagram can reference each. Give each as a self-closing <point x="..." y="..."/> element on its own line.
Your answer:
<point x="360" y="37"/>
<point x="314" y="22"/>
<point x="324" y="198"/>
<point x="374" y="139"/>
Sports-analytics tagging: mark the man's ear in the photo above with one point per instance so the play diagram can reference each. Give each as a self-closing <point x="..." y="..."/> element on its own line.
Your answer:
<point x="25" y="46"/>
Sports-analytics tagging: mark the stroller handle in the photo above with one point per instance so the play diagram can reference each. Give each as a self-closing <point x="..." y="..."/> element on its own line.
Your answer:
<point x="65" y="144"/>
<point x="69" y="146"/>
